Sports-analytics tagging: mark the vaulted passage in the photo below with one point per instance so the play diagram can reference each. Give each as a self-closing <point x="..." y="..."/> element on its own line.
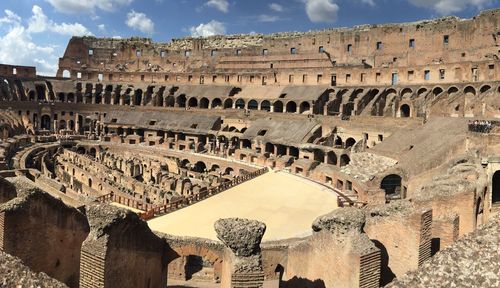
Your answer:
<point x="392" y="185"/>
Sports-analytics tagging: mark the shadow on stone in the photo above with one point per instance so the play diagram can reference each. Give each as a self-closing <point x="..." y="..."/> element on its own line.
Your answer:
<point x="386" y="274"/>
<point x="302" y="283"/>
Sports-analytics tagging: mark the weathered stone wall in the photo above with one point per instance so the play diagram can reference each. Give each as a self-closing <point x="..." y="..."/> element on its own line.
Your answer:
<point x="44" y="233"/>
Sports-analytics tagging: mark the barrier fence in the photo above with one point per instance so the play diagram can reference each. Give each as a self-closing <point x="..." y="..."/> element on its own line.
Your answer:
<point x="159" y="210"/>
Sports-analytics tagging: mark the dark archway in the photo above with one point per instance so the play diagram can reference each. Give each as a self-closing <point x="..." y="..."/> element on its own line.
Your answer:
<point x="265" y="106"/>
<point x="495" y="189"/>
<point x="45" y="122"/>
<point x="204" y="103"/>
<point x="278" y="107"/>
<point x="138" y="97"/>
<point x="200" y="167"/>
<point x="228" y="104"/>
<point x="291" y="107"/>
<point x="405" y="111"/>
<point x="253" y="105"/>
<point x="391" y="184"/>
<point x="304" y="107"/>
<point x="331" y="158"/>
<point x="240" y="104"/>
<point x="193" y="102"/>
<point x="344" y="160"/>
<point x="181" y="101"/>
<point x="349" y="143"/>
<point x="216" y="103"/>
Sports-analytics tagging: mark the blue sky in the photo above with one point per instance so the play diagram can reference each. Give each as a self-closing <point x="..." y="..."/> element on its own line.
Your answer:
<point x="36" y="32"/>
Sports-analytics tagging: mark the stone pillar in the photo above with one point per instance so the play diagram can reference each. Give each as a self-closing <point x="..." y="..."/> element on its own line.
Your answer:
<point x="242" y="265"/>
<point x="121" y="251"/>
<point x="77" y="124"/>
<point x="339" y="252"/>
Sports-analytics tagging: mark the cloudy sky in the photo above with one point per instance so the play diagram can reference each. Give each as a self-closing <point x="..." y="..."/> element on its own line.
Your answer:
<point x="35" y="32"/>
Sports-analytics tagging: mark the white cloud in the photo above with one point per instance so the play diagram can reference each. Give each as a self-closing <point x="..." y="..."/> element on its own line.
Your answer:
<point x="18" y="47"/>
<point x="276" y="7"/>
<point x="209" y="29"/>
<point x="141" y="22"/>
<point x="221" y="5"/>
<point x="39" y="23"/>
<point x="369" y="2"/>
<point x="268" y="18"/>
<point x="321" y="10"/>
<point x="101" y="27"/>
<point x="447" y="7"/>
<point x="87" y="6"/>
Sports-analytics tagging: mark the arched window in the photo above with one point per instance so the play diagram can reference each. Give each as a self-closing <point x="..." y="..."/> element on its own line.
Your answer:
<point x="391" y="184"/>
<point x="193" y="102"/>
<point x="304" y="107"/>
<point x="216" y="103"/>
<point x="349" y="142"/>
<point x="291" y="107"/>
<point x="240" y="104"/>
<point x="278" y="107"/>
<point x="344" y="160"/>
<point x="204" y="103"/>
<point x="405" y="111"/>
<point x="265" y="106"/>
<point x="228" y="104"/>
<point x="253" y="105"/>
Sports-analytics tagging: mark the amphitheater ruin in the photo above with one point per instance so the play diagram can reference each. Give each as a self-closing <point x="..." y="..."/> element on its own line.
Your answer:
<point x="357" y="157"/>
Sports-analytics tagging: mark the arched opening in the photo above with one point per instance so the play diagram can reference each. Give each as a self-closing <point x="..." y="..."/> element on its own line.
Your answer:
<point x="269" y="148"/>
<point x="228" y="104"/>
<point x="421" y="91"/>
<point x="245" y="143"/>
<point x="66" y="74"/>
<point x="338" y="142"/>
<point x="391" y="184"/>
<point x="240" y="104"/>
<point x="495" y="189"/>
<point x="485" y="89"/>
<point x="60" y="96"/>
<point x="331" y="158"/>
<point x="185" y="164"/>
<point x="349" y="143"/>
<point x="319" y="155"/>
<point x="204" y="103"/>
<point x="291" y="107"/>
<point x="278" y="107"/>
<point x="215" y="168"/>
<point x="452" y="90"/>
<point x="265" y="106"/>
<point x="71" y="125"/>
<point x="31" y="95"/>
<point x="138" y="97"/>
<point x="253" y="105"/>
<point x="229" y="171"/>
<point x="216" y="103"/>
<point x="169" y="101"/>
<point x="344" y="160"/>
<point x="93" y="152"/>
<point x="294" y="151"/>
<point x="80" y="150"/>
<point x="45" y="122"/>
<point x="193" y="102"/>
<point x="181" y="101"/>
<point x="199" y="167"/>
<point x="304" y="107"/>
<point x="436" y="91"/>
<point x="62" y="125"/>
<point x="405" y="111"/>
<point x="71" y="98"/>
<point x="406" y="92"/>
<point x="470" y="91"/>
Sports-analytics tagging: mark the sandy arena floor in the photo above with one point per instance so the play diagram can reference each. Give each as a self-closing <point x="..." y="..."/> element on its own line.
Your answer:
<point x="287" y="204"/>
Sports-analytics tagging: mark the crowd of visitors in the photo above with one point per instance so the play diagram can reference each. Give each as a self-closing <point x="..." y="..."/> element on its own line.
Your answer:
<point x="481" y="126"/>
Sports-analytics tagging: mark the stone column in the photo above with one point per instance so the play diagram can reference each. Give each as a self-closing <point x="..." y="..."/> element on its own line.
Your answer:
<point x="242" y="265"/>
